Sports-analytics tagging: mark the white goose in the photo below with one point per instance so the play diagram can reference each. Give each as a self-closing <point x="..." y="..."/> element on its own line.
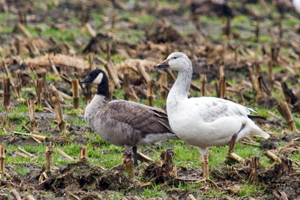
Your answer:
<point x="296" y="4"/>
<point x="204" y="121"/>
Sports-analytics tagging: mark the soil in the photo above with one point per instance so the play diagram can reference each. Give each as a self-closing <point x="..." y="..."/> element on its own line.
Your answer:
<point x="85" y="181"/>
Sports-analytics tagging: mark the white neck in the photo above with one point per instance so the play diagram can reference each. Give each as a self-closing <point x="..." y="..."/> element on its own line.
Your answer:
<point x="179" y="90"/>
<point x="97" y="101"/>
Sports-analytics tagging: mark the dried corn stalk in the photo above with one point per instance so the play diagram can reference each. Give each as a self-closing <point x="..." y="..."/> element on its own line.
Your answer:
<point x="59" y="59"/>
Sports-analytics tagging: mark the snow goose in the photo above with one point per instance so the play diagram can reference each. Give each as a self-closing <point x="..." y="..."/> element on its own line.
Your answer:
<point x="204" y="121"/>
<point x="124" y="123"/>
<point x="296" y="4"/>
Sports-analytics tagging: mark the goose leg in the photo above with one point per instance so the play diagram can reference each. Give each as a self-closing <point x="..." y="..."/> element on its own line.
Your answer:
<point x="231" y="146"/>
<point x="233" y="139"/>
<point x="204" y="162"/>
<point x="205" y="167"/>
<point x="232" y="143"/>
<point x="135" y="160"/>
<point x="128" y="161"/>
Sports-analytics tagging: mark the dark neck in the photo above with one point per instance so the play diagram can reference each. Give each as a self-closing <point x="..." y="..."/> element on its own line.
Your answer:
<point x="103" y="89"/>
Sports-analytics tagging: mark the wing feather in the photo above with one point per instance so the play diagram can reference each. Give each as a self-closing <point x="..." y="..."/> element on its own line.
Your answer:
<point x="143" y="118"/>
<point x="211" y="108"/>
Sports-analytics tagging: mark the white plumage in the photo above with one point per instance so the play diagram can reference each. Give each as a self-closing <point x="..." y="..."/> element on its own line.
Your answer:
<point x="204" y="121"/>
<point x="296" y="4"/>
<point x="209" y="121"/>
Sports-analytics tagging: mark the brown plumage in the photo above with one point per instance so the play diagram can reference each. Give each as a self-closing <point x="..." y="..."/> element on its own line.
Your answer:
<point x="146" y="120"/>
<point x="124" y="123"/>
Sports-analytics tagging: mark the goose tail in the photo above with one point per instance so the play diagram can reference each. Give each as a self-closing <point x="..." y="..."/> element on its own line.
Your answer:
<point x="175" y="137"/>
<point x="257" y="118"/>
<point x="258" y="132"/>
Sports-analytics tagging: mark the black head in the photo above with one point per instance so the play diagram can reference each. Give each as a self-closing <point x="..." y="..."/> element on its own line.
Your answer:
<point x="96" y="76"/>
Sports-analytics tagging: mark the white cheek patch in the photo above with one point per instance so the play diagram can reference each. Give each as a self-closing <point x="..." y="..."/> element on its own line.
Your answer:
<point x="98" y="80"/>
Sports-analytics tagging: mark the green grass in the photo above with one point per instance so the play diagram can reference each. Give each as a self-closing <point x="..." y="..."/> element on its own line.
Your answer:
<point x="118" y="58"/>
<point x="52" y="77"/>
<point x="250" y="190"/>
<point x="215" y="19"/>
<point x="187" y="155"/>
<point x="76" y="121"/>
<point x="72" y="111"/>
<point x="153" y="192"/>
<point x="21" y="170"/>
<point x="7" y="29"/>
<point x="104" y="154"/>
<point x="116" y="195"/>
<point x="65" y="35"/>
<point x="96" y="155"/>
<point x="146" y="19"/>
<point x="295" y="157"/>
<point x="297" y="123"/>
<point x="5" y="17"/>
<point x="242" y="19"/>
<point x="21" y="108"/>
<point x="39" y="160"/>
<point x="97" y="19"/>
<point x="264" y="39"/>
<point x="119" y="93"/>
<point x="133" y="37"/>
<point x="289" y="22"/>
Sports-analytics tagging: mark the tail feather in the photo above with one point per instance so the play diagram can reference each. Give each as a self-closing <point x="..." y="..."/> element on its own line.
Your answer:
<point x="174" y="137"/>
<point x="258" y="132"/>
<point x="257" y="118"/>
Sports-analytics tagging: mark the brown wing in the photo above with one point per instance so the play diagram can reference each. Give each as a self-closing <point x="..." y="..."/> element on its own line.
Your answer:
<point x="140" y="117"/>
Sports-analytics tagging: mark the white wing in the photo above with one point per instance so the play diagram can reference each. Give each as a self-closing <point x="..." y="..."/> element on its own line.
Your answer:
<point x="211" y="108"/>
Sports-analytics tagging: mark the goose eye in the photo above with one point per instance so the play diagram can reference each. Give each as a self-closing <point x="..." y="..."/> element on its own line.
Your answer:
<point x="174" y="57"/>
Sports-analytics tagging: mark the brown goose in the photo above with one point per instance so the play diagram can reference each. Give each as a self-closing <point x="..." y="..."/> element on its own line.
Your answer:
<point x="124" y="123"/>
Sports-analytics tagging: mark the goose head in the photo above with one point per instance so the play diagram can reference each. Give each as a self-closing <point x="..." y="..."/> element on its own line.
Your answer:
<point x="177" y="61"/>
<point x="96" y="76"/>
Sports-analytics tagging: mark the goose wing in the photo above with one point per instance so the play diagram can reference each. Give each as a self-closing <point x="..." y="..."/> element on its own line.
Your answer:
<point x="211" y="108"/>
<point x="143" y="118"/>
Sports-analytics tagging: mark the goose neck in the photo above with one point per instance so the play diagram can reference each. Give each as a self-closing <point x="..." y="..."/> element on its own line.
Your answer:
<point x="103" y="89"/>
<point x="95" y="106"/>
<point x="97" y="102"/>
<point x="180" y="88"/>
